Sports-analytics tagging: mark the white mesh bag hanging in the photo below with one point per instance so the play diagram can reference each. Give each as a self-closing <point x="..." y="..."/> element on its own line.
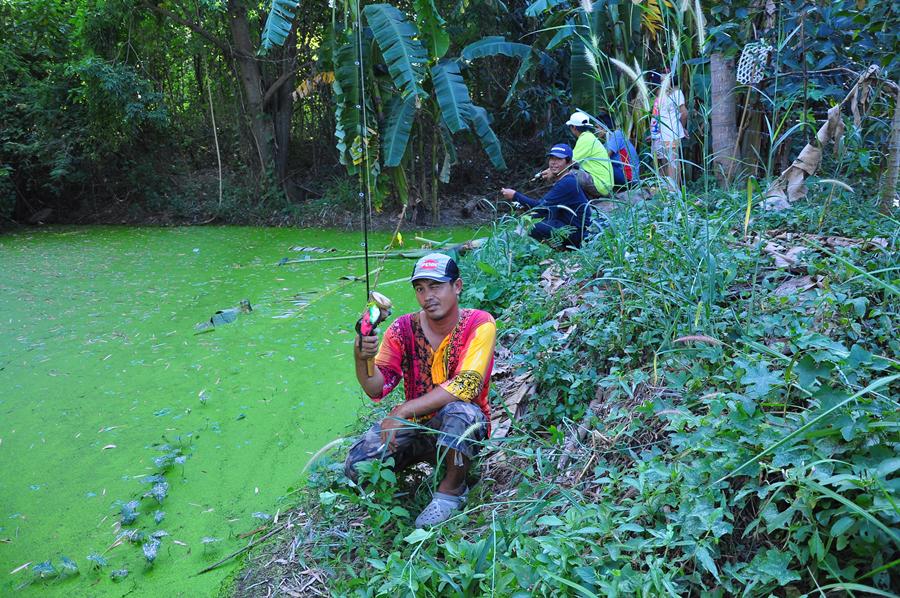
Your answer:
<point x="752" y="63"/>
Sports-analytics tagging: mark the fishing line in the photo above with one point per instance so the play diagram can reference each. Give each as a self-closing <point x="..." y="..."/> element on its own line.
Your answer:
<point x="366" y="195"/>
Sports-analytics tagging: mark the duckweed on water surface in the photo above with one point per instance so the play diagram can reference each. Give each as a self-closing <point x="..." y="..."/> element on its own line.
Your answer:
<point x="127" y="440"/>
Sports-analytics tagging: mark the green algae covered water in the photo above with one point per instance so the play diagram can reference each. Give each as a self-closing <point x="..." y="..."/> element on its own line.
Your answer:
<point x="110" y="396"/>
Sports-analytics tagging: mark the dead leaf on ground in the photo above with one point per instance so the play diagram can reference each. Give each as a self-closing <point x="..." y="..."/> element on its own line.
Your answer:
<point x="794" y="286"/>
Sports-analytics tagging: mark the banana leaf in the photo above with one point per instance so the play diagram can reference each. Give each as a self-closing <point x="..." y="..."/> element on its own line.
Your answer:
<point x="562" y="34"/>
<point x="520" y="74"/>
<point x="452" y="94"/>
<point x="396" y="133"/>
<point x="493" y="45"/>
<point x="447" y="139"/>
<point x="478" y="116"/>
<point x="404" y="54"/>
<point x="586" y="90"/>
<point x="401" y="185"/>
<point x="432" y="28"/>
<point x="279" y="23"/>
<point x="347" y="97"/>
<point x="540" y="6"/>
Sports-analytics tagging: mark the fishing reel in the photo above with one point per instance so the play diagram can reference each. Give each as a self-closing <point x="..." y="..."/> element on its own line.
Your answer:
<point x="378" y="309"/>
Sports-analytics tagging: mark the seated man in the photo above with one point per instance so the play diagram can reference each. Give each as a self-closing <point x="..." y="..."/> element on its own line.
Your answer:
<point x="622" y="154"/>
<point x="444" y="355"/>
<point x="565" y="206"/>
<point x="596" y="176"/>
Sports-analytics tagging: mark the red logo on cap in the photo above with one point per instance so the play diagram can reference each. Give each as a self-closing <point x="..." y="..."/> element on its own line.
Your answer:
<point x="429" y="265"/>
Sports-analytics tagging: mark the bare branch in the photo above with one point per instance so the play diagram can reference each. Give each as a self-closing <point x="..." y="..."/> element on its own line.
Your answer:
<point x="196" y="28"/>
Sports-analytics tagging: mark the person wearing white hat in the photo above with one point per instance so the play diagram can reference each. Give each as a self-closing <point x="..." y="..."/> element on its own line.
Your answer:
<point x="596" y="175"/>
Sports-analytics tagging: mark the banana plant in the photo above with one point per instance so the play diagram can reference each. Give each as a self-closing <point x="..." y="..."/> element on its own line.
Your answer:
<point x="405" y="59"/>
<point x="596" y="32"/>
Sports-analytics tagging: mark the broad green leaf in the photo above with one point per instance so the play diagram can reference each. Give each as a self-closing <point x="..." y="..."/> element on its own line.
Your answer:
<point x="347" y="98"/>
<point x="858" y="356"/>
<point x="401" y="185"/>
<point x="840" y="526"/>
<point x="452" y="94"/>
<point x="493" y="45"/>
<point x="279" y="23"/>
<point x="377" y="564"/>
<point x="478" y="116"/>
<point x="707" y="561"/>
<point x="400" y="512"/>
<point x="487" y="268"/>
<point x="816" y="547"/>
<point x="888" y="466"/>
<point x="808" y="371"/>
<point x="402" y="51"/>
<point x="401" y="113"/>
<point x="630" y="527"/>
<point x="823" y="414"/>
<point x="550" y="521"/>
<point x="432" y="27"/>
<point x="772" y="565"/>
<point x="761" y="380"/>
<point x="388" y="476"/>
<point x="419" y="535"/>
<point x="859" y="305"/>
<point x="536" y="8"/>
<point x="576" y="586"/>
<point x="587" y="93"/>
<point x="562" y="35"/>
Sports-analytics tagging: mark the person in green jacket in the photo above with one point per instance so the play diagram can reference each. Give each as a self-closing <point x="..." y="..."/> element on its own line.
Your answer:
<point x="596" y="174"/>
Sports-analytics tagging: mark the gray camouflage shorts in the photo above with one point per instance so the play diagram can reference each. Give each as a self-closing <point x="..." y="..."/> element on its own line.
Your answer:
<point x="419" y="442"/>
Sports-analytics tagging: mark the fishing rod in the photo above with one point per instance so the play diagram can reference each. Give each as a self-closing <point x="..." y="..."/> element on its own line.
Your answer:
<point x="378" y="306"/>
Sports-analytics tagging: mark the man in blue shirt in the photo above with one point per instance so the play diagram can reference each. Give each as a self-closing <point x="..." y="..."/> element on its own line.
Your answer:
<point x="565" y="206"/>
<point x="625" y="162"/>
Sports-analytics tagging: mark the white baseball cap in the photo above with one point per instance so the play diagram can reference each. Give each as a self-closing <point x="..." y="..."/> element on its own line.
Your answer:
<point x="578" y="119"/>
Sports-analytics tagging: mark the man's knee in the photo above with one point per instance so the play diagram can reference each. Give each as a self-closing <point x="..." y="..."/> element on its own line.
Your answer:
<point x="461" y="426"/>
<point x="366" y="448"/>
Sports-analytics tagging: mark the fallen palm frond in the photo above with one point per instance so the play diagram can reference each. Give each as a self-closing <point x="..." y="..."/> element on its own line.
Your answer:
<point x="790" y="185"/>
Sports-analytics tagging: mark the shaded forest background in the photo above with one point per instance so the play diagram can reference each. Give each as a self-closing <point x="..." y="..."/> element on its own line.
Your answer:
<point x="138" y="110"/>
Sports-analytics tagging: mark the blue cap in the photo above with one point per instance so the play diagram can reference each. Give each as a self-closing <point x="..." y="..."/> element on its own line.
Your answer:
<point x="561" y="150"/>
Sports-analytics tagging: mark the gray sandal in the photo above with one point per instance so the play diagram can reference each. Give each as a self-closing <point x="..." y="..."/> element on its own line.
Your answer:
<point x="441" y="507"/>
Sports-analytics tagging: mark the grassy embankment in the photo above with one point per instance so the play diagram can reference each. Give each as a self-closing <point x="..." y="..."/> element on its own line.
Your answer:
<point x="701" y="403"/>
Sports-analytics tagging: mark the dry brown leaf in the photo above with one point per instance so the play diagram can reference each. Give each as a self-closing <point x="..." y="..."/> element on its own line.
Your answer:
<point x="791" y="184"/>
<point x="802" y="284"/>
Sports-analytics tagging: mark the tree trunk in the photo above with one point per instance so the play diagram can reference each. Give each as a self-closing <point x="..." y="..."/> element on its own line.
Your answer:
<point x="251" y="78"/>
<point x="283" y="110"/>
<point x="889" y="199"/>
<point x="724" y="129"/>
<point x="751" y="156"/>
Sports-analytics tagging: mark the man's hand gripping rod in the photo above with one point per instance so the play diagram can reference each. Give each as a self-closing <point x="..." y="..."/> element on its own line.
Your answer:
<point x="377" y="311"/>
